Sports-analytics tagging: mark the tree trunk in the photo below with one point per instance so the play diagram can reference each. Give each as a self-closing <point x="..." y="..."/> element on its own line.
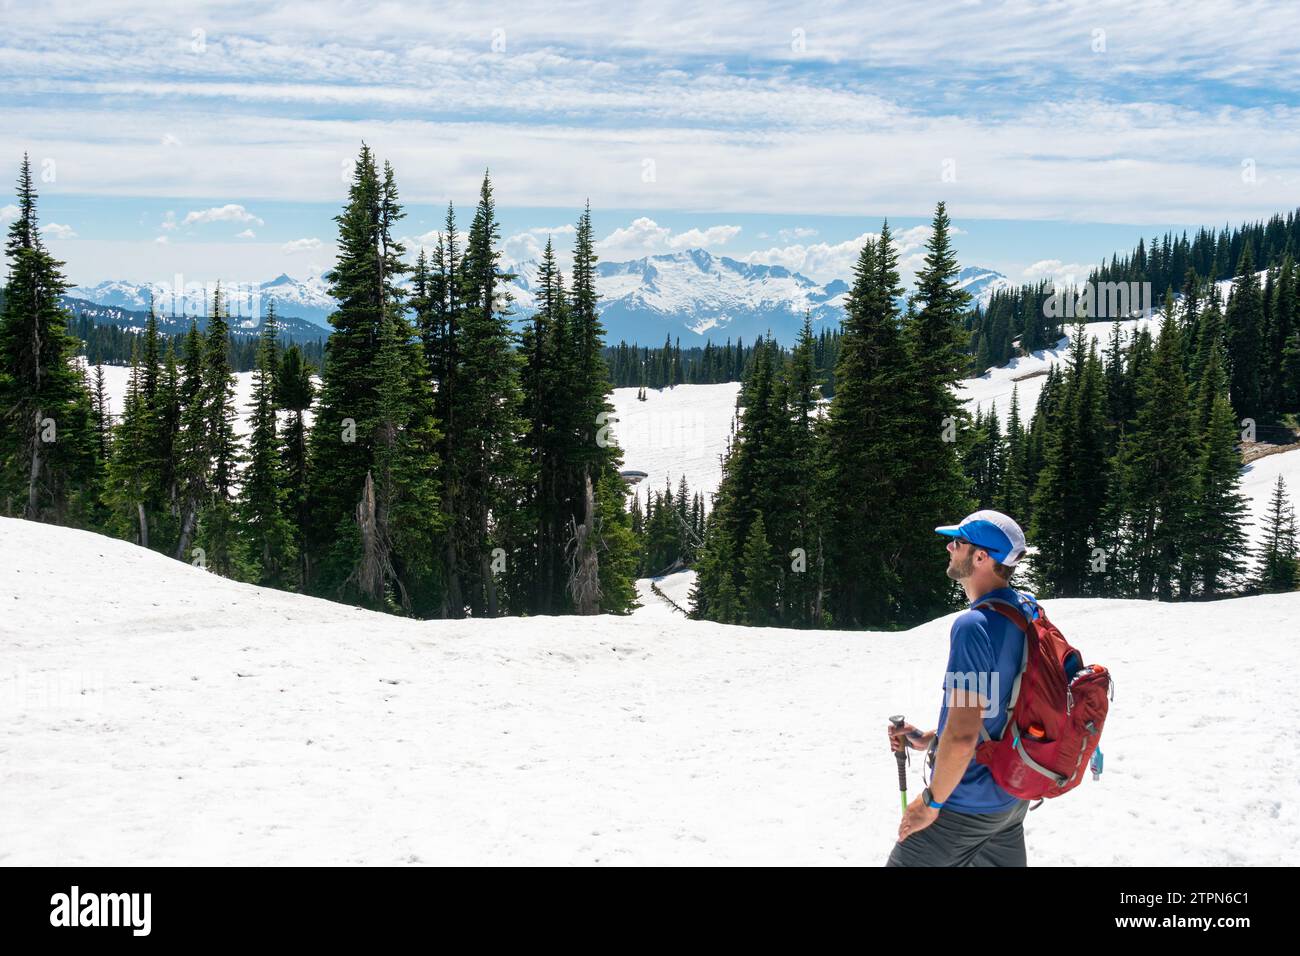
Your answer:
<point x="370" y="573"/>
<point x="453" y="603"/>
<point x="144" y="525"/>
<point x="485" y="565"/>
<point x="32" y="483"/>
<point x="584" y="577"/>
<point x="187" y="528"/>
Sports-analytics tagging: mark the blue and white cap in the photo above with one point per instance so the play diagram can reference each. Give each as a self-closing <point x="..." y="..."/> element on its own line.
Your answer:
<point x="993" y="531"/>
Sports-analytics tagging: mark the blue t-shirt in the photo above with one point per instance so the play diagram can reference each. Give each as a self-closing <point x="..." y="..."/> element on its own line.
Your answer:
<point x="985" y="653"/>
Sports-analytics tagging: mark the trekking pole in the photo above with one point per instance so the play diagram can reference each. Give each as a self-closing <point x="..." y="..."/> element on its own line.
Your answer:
<point x="901" y="757"/>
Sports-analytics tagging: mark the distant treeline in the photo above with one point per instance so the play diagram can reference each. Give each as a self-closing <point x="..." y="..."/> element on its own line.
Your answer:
<point x="636" y="365"/>
<point x="104" y="344"/>
<point x="1213" y="254"/>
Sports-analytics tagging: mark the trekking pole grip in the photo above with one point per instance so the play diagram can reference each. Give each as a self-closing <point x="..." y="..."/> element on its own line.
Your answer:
<point x="901" y="756"/>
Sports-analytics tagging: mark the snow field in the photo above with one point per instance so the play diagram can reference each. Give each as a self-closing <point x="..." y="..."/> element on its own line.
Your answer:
<point x="224" y="723"/>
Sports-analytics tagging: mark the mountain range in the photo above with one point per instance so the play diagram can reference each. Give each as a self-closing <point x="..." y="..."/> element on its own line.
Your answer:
<point x="691" y="294"/>
<point x="307" y="299"/>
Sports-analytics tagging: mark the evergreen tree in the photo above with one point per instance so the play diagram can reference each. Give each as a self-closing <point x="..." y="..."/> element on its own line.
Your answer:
<point x="217" y="535"/>
<point x="103" y="416"/>
<point x="591" y="455"/>
<point x="295" y="392"/>
<point x="47" y="458"/>
<point x="1245" y="321"/>
<point x="1280" y="328"/>
<point x="167" y="410"/>
<point x="399" y="516"/>
<point x="191" y="445"/>
<point x="1156" y="474"/>
<point x="264" y="522"/>
<point x="1070" y="496"/>
<point x="130" y="472"/>
<point x="1217" y="532"/>
<point x="861" y="471"/>
<point x="1279" y="566"/>
<point x="760" y="576"/>
<point x="485" y="428"/>
<point x="799" y="516"/>
<point x="935" y="342"/>
<point x="714" y="596"/>
<point x="372" y="499"/>
<point x="547" y="381"/>
<point x="619" y="547"/>
<point x="1011" y="497"/>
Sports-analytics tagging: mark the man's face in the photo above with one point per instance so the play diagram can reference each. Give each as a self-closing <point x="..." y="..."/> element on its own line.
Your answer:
<point x="961" y="559"/>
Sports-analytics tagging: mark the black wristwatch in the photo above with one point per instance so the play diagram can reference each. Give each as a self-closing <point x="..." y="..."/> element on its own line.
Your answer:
<point x="928" y="799"/>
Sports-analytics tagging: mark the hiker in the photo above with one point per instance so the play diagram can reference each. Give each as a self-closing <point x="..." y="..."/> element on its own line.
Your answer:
<point x="964" y="818"/>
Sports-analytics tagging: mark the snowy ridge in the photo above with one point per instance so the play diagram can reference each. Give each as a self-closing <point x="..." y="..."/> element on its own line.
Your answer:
<point x="690" y="294"/>
<point x="158" y="714"/>
<point x="982" y="283"/>
<point x="300" y="298"/>
<point x="694" y="294"/>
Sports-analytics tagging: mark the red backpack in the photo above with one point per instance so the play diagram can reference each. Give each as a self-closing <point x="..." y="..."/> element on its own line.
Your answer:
<point x="1054" y="719"/>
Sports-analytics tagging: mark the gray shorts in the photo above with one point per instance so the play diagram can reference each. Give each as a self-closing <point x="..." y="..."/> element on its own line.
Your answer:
<point x="967" y="839"/>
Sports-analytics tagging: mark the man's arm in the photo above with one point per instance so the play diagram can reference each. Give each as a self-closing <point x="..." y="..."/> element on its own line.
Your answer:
<point x="957" y="743"/>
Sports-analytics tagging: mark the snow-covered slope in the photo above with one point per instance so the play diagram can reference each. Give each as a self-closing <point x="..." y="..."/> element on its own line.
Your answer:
<point x="156" y="714"/>
<point x="1026" y="374"/>
<point x="675" y="432"/>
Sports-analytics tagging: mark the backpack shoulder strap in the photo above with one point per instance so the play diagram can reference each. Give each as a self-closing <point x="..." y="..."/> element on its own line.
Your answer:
<point x="1017" y="617"/>
<point x="1008" y="610"/>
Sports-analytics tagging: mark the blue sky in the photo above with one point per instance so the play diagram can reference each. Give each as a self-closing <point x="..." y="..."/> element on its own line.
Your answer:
<point x="212" y="139"/>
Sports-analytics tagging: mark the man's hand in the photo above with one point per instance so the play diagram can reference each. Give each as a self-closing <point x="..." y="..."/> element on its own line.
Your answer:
<point x="909" y="734"/>
<point x="915" y="819"/>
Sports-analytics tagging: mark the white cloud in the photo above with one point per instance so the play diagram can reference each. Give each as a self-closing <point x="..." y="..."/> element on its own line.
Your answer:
<point x="301" y="245"/>
<point x="246" y="234"/>
<point x="231" y="212"/>
<point x="703" y="238"/>
<point x="8" y="212"/>
<point x="821" y="261"/>
<point x="772" y="137"/>
<point x="56" y="231"/>
<point x="162" y="240"/>
<point x="645" y="237"/>
<point x="1011" y="165"/>
<point x="798" y="232"/>
<point x="1059" y="272"/>
<point x="824" y="261"/>
<point x="531" y="243"/>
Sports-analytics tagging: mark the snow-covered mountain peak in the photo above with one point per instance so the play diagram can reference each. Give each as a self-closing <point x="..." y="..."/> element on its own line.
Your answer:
<point x="690" y="293"/>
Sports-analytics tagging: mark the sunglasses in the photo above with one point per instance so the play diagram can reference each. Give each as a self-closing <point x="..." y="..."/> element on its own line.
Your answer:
<point x="959" y="541"/>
